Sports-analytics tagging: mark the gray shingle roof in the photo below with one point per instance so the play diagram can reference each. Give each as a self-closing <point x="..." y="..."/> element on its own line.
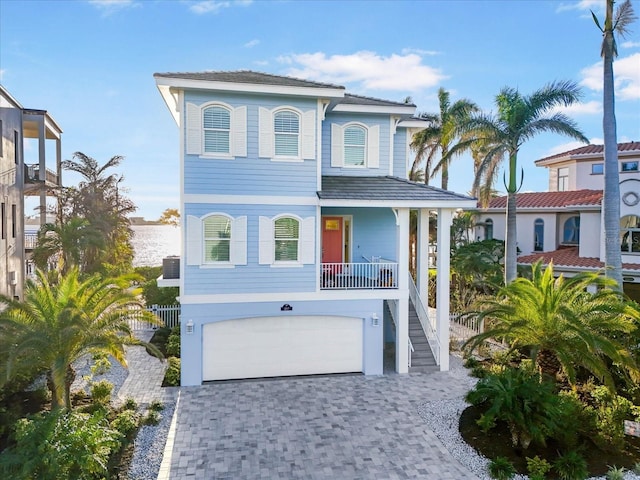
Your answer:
<point x="246" y="76"/>
<point x="382" y="188"/>
<point x="352" y="99"/>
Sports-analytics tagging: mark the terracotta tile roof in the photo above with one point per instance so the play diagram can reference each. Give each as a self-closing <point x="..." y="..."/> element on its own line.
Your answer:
<point x="568" y="257"/>
<point x="551" y="199"/>
<point x="593" y="150"/>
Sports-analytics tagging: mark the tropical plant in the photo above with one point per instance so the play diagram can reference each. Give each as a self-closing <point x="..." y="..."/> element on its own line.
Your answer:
<point x="615" y="473"/>
<point x="519" y="118"/>
<point x="501" y="468"/>
<point x="58" y="322"/>
<point x="66" y="243"/>
<point x="530" y="408"/>
<point x="440" y="136"/>
<point x="613" y="24"/>
<point x="537" y="468"/>
<point x="564" y="327"/>
<point x="571" y="466"/>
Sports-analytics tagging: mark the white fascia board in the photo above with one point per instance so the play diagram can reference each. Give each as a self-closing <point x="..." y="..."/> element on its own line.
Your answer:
<point x="382" y="294"/>
<point x="453" y="204"/>
<point x="52" y="127"/>
<point x="249" y="199"/>
<point x="316" y="92"/>
<point x="169" y="282"/>
<point x="171" y="100"/>
<point x="413" y="123"/>
<point x="354" y="108"/>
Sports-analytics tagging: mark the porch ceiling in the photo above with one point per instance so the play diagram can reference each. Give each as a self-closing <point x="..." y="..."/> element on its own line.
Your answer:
<point x="389" y="190"/>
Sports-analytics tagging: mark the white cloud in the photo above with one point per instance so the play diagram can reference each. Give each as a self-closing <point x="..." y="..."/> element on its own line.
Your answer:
<point x="252" y="43"/>
<point x="214" y="6"/>
<point x="587" y="108"/>
<point x="419" y="51"/>
<point x="595" y="5"/>
<point x="261" y="63"/>
<point x="626" y="77"/>
<point x="630" y="44"/>
<point x="111" y="6"/>
<point x="367" y="70"/>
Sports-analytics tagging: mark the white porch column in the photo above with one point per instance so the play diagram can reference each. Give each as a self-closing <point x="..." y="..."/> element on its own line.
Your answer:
<point x="422" y="265"/>
<point x="402" y="314"/>
<point x="445" y="216"/>
<point x="42" y="165"/>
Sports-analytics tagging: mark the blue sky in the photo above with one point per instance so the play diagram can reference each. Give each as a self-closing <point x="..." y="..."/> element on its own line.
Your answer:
<point x="91" y="64"/>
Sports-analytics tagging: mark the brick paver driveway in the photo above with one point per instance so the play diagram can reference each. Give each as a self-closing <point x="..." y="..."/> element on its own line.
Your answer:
<point x="329" y="427"/>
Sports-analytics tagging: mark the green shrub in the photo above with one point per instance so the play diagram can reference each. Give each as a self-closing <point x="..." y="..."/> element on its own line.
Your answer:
<point x="615" y="473"/>
<point x="156" y="406"/>
<point x="101" y="392"/>
<point x="173" y="346"/>
<point x="130" y="404"/>
<point x="571" y="466"/>
<point x="172" y="375"/>
<point x="636" y="468"/>
<point x="152" y="418"/>
<point x="126" y="422"/>
<point x="60" y="446"/>
<point x="529" y="407"/>
<point x="611" y="411"/>
<point x="501" y="468"/>
<point x="537" y="468"/>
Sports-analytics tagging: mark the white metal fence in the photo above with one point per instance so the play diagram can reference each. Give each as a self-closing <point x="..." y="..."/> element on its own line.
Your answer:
<point x="464" y="326"/>
<point x="168" y="314"/>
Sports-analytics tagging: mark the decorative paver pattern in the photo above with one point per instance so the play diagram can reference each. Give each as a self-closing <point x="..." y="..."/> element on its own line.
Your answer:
<point x="327" y="427"/>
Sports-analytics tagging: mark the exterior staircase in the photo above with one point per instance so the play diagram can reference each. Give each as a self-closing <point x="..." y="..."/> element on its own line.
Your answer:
<point x="422" y="359"/>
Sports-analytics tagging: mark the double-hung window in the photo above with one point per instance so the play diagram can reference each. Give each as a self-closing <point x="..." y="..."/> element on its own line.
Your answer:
<point x="571" y="232"/>
<point x="286" y="129"/>
<point x="216" y="123"/>
<point x="355" y="146"/>
<point x="538" y="235"/>
<point x="563" y="179"/>
<point x="630" y="234"/>
<point x="629" y="166"/>
<point x="217" y="239"/>
<point x="286" y="238"/>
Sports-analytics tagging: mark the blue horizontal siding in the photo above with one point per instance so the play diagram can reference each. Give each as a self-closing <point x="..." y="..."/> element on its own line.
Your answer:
<point x="374" y="231"/>
<point x="253" y="277"/>
<point x="366" y="119"/>
<point x="249" y="175"/>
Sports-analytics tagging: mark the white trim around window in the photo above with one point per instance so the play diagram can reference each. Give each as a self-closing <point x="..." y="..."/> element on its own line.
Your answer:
<point x="199" y="131"/>
<point x="352" y="141"/>
<point x="199" y="237"/>
<point x="302" y="128"/>
<point x="305" y="253"/>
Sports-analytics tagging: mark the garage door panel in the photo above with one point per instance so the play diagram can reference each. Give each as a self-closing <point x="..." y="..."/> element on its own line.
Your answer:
<point x="281" y="346"/>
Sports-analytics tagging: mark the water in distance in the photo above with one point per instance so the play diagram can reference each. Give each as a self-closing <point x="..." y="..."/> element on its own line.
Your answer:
<point x="152" y="243"/>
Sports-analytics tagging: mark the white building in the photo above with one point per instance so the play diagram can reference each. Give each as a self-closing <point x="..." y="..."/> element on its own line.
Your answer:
<point x="566" y="225"/>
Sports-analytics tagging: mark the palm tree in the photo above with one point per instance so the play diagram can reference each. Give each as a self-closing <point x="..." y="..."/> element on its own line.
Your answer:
<point x="483" y="185"/>
<point x="57" y="323"/>
<point x="564" y="326"/>
<point x="519" y="119"/>
<point x="66" y="242"/>
<point x="440" y="135"/>
<point x="611" y="201"/>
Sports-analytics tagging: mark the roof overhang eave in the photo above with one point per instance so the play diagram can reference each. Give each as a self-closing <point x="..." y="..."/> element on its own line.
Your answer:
<point x="382" y="203"/>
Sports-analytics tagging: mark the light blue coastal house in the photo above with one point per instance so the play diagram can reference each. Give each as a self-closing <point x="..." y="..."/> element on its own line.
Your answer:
<point x="295" y="217"/>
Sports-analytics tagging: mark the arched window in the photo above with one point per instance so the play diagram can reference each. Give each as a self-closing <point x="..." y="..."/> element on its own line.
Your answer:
<point x="217" y="239"/>
<point x="216" y="123"/>
<point x="630" y="234"/>
<point x="571" y="231"/>
<point x="355" y="142"/>
<point x="538" y="235"/>
<point x="286" y="236"/>
<point x="488" y="229"/>
<point x="286" y="128"/>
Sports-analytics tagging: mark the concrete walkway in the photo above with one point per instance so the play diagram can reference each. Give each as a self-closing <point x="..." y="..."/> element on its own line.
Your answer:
<point x="325" y="427"/>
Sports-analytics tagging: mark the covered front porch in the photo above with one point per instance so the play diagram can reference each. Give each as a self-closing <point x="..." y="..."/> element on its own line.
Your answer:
<point x="365" y="229"/>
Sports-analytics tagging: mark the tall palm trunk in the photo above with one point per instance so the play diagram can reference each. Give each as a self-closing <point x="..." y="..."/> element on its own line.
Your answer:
<point x="611" y="199"/>
<point x="511" y="234"/>
<point x="445" y="169"/>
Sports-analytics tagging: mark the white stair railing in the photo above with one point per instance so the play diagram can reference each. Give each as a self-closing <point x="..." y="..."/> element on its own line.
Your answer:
<point x="423" y="316"/>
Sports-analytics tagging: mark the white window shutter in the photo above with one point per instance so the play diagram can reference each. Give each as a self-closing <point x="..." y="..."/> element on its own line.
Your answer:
<point x="373" y="147"/>
<point x="265" y="240"/>
<point x="193" y="137"/>
<point x="239" y="132"/>
<point x="337" y="145"/>
<point x="265" y="136"/>
<point x="239" y="241"/>
<point x="307" y="244"/>
<point x="194" y="240"/>
<point x="309" y="135"/>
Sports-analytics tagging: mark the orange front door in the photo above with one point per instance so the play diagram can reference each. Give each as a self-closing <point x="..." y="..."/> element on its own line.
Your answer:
<point x="332" y="241"/>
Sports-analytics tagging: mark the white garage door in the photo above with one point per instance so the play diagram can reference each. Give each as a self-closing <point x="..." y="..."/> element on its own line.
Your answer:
<point x="280" y="346"/>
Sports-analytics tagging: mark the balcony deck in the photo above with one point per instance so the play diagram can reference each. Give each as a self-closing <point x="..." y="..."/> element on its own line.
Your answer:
<point x="359" y="276"/>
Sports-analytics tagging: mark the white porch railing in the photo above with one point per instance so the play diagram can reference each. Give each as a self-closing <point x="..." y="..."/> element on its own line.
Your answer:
<point x="352" y="276"/>
<point x="169" y="314"/>
<point x="464" y="326"/>
<point x="30" y="240"/>
<point x="425" y="321"/>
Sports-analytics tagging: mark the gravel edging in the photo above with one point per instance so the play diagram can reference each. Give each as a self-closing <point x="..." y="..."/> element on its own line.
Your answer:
<point x="442" y="417"/>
